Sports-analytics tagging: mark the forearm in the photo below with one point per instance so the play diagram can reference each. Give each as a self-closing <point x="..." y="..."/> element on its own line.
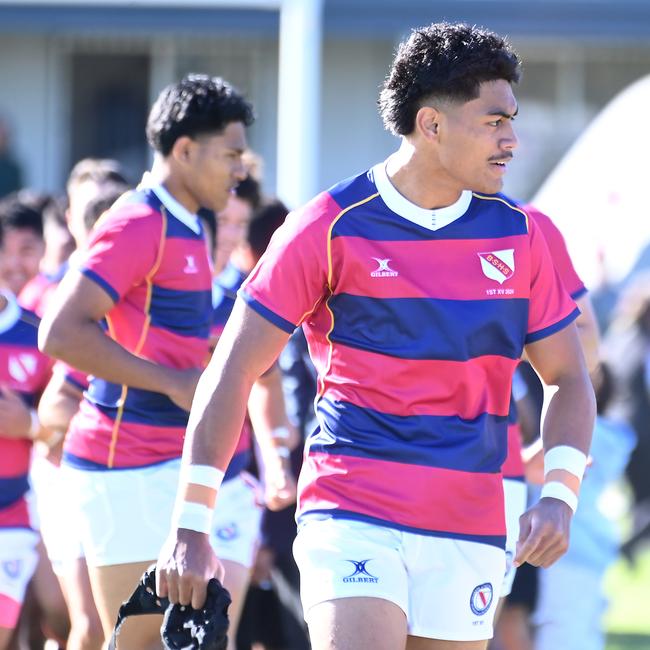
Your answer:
<point x="570" y="413"/>
<point x="85" y="346"/>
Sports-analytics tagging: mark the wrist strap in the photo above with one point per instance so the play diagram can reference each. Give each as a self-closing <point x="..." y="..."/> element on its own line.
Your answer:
<point x="567" y="458"/>
<point x="557" y="490"/>
<point x="205" y="475"/>
<point x="193" y="516"/>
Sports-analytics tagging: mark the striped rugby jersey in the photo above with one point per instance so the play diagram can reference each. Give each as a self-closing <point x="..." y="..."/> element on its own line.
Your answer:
<point x="415" y="321"/>
<point x="25" y="370"/>
<point x="148" y="253"/>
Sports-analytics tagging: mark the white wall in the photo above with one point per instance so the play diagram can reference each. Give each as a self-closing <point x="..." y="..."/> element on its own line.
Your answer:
<point x="352" y="136"/>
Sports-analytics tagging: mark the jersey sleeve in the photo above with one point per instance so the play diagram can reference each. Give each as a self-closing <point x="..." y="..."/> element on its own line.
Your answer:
<point x="291" y="278"/>
<point x="551" y="308"/>
<point x="559" y="253"/>
<point x="123" y="249"/>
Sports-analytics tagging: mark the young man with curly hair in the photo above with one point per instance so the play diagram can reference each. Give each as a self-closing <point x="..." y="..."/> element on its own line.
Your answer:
<point x="418" y="286"/>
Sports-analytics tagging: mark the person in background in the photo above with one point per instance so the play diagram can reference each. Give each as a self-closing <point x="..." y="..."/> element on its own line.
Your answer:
<point x="11" y="177"/>
<point x="571" y="603"/>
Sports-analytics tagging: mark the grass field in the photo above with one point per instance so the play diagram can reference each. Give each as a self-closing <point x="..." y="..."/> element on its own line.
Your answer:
<point x="628" y="617"/>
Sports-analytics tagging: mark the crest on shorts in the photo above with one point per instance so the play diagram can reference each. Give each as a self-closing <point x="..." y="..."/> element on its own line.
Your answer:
<point x="498" y="265"/>
<point x="481" y="598"/>
<point x="12" y="568"/>
<point x="227" y="533"/>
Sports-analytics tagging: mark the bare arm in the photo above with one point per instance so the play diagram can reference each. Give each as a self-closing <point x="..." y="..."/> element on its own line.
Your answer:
<point x="569" y="420"/>
<point x="58" y="404"/>
<point x="248" y="346"/>
<point x="70" y="331"/>
<point x="588" y="332"/>
<point x="267" y="412"/>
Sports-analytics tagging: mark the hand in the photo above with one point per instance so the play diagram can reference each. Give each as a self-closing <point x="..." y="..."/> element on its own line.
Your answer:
<point x="543" y="533"/>
<point x="182" y="386"/>
<point x="15" y="418"/>
<point x="185" y="566"/>
<point x="279" y="484"/>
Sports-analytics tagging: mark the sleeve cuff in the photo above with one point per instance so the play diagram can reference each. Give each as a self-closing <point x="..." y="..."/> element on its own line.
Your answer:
<point x="551" y="329"/>
<point x="265" y="312"/>
<point x="97" y="279"/>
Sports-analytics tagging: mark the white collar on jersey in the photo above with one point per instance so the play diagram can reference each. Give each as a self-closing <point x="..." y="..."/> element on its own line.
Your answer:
<point x="430" y="219"/>
<point x="176" y="209"/>
<point x="10" y="314"/>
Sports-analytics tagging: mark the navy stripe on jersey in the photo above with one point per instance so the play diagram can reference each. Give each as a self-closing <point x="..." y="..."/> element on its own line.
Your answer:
<point x="97" y="279"/>
<point x="186" y="313"/>
<point x="318" y="514"/>
<point x="12" y="489"/>
<point x="459" y="329"/>
<point x="140" y="407"/>
<point x="447" y="442"/>
<point x="82" y="463"/>
<point x="23" y="334"/>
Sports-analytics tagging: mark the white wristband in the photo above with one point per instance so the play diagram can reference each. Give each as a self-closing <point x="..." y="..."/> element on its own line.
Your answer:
<point x="193" y="516"/>
<point x="564" y="457"/>
<point x="280" y="433"/>
<point x="205" y="475"/>
<point x="557" y="490"/>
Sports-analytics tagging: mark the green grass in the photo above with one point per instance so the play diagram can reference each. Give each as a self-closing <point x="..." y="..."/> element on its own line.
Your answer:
<point x="628" y="617"/>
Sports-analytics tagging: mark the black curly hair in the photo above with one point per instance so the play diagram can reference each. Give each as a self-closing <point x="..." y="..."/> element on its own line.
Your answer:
<point x="195" y="106"/>
<point x="446" y="61"/>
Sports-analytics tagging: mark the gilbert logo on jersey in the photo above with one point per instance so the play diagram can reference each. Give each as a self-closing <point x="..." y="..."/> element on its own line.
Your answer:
<point x="383" y="270"/>
<point x="498" y="265"/>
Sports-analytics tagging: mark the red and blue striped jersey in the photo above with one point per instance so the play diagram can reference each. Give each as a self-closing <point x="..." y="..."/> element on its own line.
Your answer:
<point x="148" y="253"/>
<point x="25" y="370"/>
<point x="415" y="321"/>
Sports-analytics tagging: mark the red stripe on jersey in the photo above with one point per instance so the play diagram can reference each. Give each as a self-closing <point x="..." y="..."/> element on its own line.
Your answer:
<point x="414" y="496"/>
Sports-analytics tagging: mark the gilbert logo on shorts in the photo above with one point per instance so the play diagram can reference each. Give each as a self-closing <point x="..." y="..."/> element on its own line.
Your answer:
<point x="360" y="573"/>
<point x="498" y="265"/>
<point x="481" y="598"/>
<point x="383" y="270"/>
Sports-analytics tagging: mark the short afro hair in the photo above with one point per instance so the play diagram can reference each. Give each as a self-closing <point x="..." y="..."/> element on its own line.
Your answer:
<point x="446" y="61"/>
<point x="195" y="106"/>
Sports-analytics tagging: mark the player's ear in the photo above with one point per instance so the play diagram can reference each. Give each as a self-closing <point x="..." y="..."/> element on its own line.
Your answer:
<point x="182" y="149"/>
<point x="427" y="122"/>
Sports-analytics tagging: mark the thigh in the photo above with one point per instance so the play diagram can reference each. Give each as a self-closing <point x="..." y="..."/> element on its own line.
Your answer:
<point x="357" y="624"/>
<point x="111" y="586"/>
<point x="420" y="643"/>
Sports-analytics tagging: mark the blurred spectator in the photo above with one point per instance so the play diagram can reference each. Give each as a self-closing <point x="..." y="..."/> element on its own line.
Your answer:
<point x="571" y="600"/>
<point x="627" y="349"/>
<point x="22" y="221"/>
<point x="10" y="172"/>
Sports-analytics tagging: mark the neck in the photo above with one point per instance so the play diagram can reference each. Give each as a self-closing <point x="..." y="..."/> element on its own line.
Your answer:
<point x="420" y="178"/>
<point x="162" y="173"/>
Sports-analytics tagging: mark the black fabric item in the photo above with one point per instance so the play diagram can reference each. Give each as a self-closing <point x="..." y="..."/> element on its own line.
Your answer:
<point x="183" y="627"/>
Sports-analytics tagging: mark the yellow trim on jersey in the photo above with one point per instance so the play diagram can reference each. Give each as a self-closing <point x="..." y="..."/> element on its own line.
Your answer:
<point x="329" y="285"/>
<point x="115" y="434"/>
<point x="498" y="198"/>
